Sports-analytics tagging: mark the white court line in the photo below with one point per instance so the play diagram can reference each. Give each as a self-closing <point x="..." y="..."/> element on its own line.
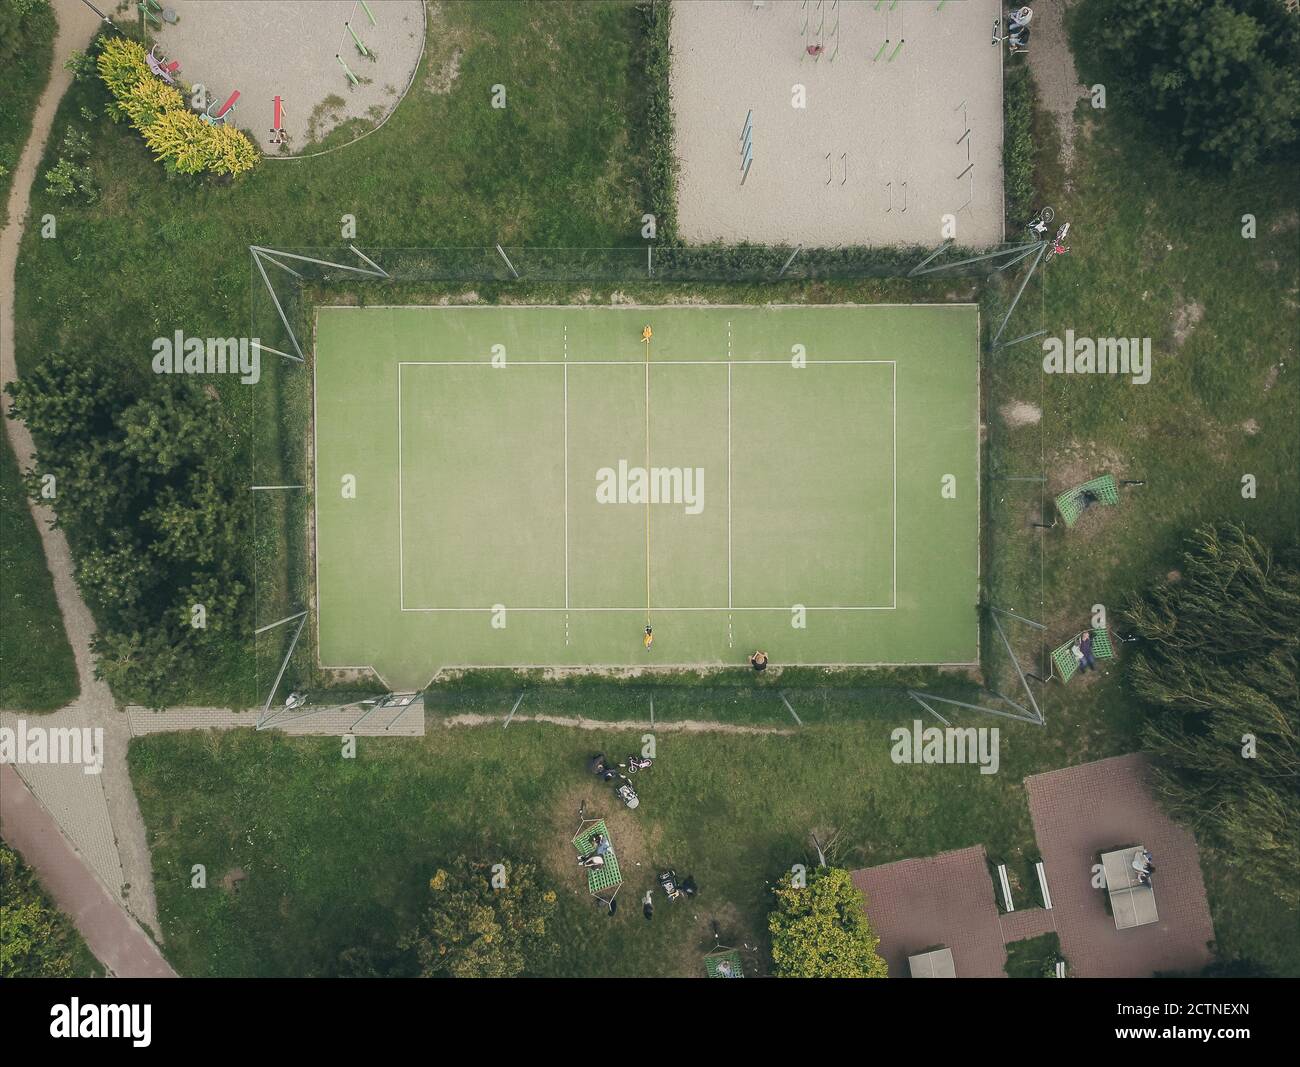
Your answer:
<point x="401" y="540"/>
<point x="640" y="362"/>
<point x="646" y="363"/>
<point x="721" y="609"/>
<point x="729" y="586"/>
<point x="566" y="485"/>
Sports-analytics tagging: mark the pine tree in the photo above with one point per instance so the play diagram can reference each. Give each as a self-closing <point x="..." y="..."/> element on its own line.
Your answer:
<point x="1218" y="672"/>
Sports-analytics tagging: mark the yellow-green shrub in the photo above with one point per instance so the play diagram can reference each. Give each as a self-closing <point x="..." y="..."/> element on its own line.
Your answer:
<point x="179" y="138"/>
<point x="123" y="66"/>
<point x="229" y="151"/>
<point x="146" y="102"/>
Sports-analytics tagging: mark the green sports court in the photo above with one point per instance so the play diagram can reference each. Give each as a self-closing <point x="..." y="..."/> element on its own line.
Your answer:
<point x="532" y="486"/>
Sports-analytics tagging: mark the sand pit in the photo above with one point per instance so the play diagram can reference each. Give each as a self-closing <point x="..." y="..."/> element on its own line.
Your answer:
<point x="287" y="48"/>
<point x="877" y="156"/>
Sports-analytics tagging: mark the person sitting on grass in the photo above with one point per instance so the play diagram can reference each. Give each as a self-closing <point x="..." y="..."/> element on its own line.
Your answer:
<point x="758" y="661"/>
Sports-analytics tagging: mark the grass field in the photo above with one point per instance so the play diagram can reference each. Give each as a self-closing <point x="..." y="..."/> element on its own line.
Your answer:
<point x="349" y="867"/>
<point x="748" y="478"/>
<point x="37" y="671"/>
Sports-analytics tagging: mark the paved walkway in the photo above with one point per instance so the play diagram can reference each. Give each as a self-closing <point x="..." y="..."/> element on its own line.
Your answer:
<point x="919" y="904"/>
<point x="114" y="938"/>
<point x="1080" y="811"/>
<point x="353" y="719"/>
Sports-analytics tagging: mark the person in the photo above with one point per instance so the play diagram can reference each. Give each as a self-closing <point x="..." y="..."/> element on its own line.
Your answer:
<point x="758" y="661"/>
<point x="724" y="968"/>
<point x="1016" y="19"/>
<point x="1019" y="38"/>
<point x="602" y="844"/>
<point x="1086" y="499"/>
<point x="649" y="638"/>
<point x="1085" y="646"/>
<point x="648" y="905"/>
<point x="688" y="885"/>
<point x="816" y="49"/>
<point x="1144" y="877"/>
<point x="1077" y="652"/>
<point x="646" y="334"/>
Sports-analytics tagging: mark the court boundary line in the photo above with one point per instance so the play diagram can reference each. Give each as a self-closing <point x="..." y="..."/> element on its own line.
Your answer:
<point x="401" y="556"/>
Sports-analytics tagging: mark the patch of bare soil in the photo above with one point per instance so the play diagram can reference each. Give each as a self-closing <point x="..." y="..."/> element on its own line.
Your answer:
<point x="1017" y="413"/>
<point x="680" y="726"/>
<point x="1185" y="320"/>
<point x="1076" y="464"/>
<point x="633" y="842"/>
<point x="1251" y="427"/>
<point x="1271" y="379"/>
<point x="445" y="46"/>
<point x="233" y="879"/>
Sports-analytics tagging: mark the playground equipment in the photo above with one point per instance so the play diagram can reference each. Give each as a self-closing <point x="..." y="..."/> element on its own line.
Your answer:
<point x="159" y="65"/>
<point x="222" y="114"/>
<point x="150" y="14"/>
<point x="353" y="80"/>
<point x="746" y="145"/>
<point x="604" y="881"/>
<point x="358" y="42"/>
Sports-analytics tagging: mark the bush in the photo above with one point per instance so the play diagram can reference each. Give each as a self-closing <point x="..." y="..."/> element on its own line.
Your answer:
<point x="820" y="930"/>
<point x="1018" y="146"/>
<point x="178" y="138"/>
<point x="656" y="21"/>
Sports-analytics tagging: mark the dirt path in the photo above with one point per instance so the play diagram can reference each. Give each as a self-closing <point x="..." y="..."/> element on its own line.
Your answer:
<point x="681" y="726"/>
<point x="98" y="814"/>
<point x="1054" y="71"/>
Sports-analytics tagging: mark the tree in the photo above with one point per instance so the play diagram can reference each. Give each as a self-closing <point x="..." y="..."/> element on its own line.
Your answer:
<point x="821" y="929"/>
<point x="21" y="21"/>
<point x="473" y="929"/>
<point x="1222" y="76"/>
<point x="1218" y="672"/>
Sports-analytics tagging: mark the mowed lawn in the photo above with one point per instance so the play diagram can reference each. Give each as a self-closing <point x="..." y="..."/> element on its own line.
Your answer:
<point x="337" y="853"/>
<point x="531" y="486"/>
